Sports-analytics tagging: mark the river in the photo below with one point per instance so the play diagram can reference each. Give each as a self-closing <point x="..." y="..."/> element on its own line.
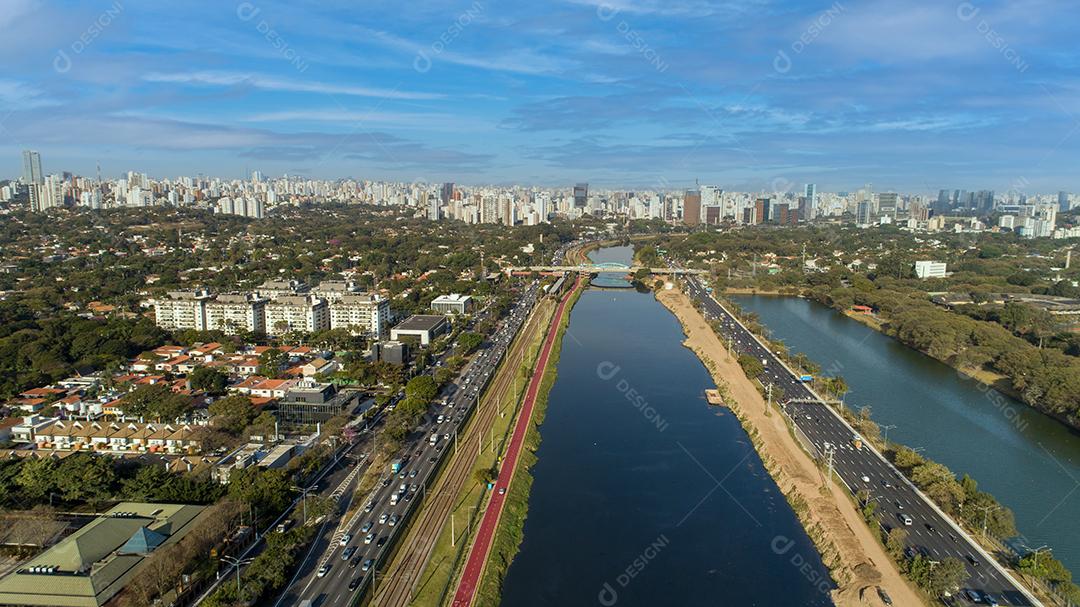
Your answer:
<point x="643" y="494"/>
<point x="1029" y="461"/>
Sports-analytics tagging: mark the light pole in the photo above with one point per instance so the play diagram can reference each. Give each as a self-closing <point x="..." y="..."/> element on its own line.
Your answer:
<point x="885" y="437"/>
<point x="303" y="498"/>
<point x="237" y="563"/>
<point x="986" y="515"/>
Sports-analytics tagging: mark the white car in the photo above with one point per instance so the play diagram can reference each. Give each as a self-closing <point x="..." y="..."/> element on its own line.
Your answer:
<point x="322" y="571"/>
<point x="345" y="539"/>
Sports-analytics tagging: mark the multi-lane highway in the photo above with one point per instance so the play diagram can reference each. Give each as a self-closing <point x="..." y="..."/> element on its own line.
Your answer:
<point x="361" y="544"/>
<point x="900" y="503"/>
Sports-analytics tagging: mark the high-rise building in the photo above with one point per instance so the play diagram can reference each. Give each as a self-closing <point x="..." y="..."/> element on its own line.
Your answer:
<point x="762" y="206"/>
<point x="811" y="201"/>
<point x="887" y="204"/>
<point x="692" y="207"/>
<point x="984" y="201"/>
<point x="32" y="168"/>
<point x="447" y="193"/>
<point x="1063" y="202"/>
<point x="581" y="195"/>
<point x="862" y="213"/>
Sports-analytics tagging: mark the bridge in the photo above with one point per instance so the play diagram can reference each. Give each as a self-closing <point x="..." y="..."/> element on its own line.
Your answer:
<point x="605" y="268"/>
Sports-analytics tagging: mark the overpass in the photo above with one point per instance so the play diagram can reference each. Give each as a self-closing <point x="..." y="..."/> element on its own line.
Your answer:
<point x="602" y="268"/>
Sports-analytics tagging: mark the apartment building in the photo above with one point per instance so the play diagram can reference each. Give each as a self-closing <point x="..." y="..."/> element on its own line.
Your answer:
<point x="334" y="290"/>
<point x="362" y="314"/>
<point x="302" y="313"/>
<point x="236" y="313"/>
<point x="182" y="310"/>
<point x="273" y="289"/>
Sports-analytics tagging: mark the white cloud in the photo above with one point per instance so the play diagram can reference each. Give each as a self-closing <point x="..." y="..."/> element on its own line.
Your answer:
<point x="205" y="78"/>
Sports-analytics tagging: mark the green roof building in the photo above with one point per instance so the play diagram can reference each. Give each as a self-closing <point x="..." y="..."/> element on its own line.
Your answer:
<point x="92" y="565"/>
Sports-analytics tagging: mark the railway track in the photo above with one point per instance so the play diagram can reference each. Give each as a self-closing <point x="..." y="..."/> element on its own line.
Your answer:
<point x="405" y="573"/>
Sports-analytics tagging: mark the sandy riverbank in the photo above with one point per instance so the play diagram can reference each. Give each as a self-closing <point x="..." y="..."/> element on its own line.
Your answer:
<point x="857" y="561"/>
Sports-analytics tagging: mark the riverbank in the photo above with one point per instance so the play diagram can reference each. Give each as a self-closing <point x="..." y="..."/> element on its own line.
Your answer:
<point x="856" y="560"/>
<point x="500" y="532"/>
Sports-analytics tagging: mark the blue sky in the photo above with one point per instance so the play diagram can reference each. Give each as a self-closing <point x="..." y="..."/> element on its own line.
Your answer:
<point x="915" y="96"/>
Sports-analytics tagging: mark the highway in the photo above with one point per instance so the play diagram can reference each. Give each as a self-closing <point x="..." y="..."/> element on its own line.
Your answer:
<point x="329" y="578"/>
<point x="930" y="531"/>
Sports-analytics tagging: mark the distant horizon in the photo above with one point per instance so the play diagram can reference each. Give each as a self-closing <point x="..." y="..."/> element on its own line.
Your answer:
<point x="622" y="94"/>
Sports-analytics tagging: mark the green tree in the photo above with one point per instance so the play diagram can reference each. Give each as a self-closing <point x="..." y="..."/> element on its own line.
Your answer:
<point x="421" y="388"/>
<point x="232" y="413"/>
<point x="37" y="478"/>
<point x="209" y="380"/>
<point x="894" y="543"/>
<point x="85" y="478"/>
<point x="271" y="362"/>
<point x="266" y="490"/>
<point x="469" y="341"/>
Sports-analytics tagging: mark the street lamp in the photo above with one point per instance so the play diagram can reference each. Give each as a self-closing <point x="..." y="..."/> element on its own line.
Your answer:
<point x="885" y="436"/>
<point x="986" y="514"/>
<point x="303" y="498"/>
<point x="237" y="563"/>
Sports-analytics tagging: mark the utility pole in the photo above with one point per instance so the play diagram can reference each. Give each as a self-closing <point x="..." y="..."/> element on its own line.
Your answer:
<point x="768" y="404"/>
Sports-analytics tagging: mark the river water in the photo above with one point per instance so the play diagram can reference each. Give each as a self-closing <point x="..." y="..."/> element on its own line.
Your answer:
<point x="1030" y="462"/>
<point x="643" y="493"/>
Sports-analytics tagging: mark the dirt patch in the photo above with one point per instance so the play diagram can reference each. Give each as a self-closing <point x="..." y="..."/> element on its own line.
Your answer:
<point x="855" y="558"/>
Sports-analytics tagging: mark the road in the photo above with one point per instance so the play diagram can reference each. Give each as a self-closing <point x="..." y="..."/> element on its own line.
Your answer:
<point x="478" y="553"/>
<point x="330" y="578"/>
<point x="930" y="531"/>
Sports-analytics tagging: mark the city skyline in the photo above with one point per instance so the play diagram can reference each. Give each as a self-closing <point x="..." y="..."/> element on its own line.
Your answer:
<point x="620" y="95"/>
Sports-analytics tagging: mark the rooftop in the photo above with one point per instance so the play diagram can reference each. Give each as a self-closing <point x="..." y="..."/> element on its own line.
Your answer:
<point x="421" y="322"/>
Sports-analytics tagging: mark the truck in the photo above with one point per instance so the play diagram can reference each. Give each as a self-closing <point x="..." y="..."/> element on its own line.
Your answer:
<point x="806" y="378"/>
<point x="434" y="438"/>
<point x="395" y="466"/>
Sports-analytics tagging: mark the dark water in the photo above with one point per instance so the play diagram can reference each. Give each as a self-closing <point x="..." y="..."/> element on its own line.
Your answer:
<point x="1029" y="461"/>
<point x="643" y="494"/>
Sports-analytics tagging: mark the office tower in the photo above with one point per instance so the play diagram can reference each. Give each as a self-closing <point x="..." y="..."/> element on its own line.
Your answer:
<point x="581" y="195"/>
<point x="862" y="213"/>
<point x="811" y="201"/>
<point x="32" y="168"/>
<point x="256" y="177"/>
<point x="1063" y="202"/>
<point x="887" y="204"/>
<point x="762" y="206"/>
<point x="447" y="193"/>
<point x="984" y="201"/>
<point x="692" y="207"/>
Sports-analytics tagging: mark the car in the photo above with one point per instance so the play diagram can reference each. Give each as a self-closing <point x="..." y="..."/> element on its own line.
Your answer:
<point x="353" y="564"/>
<point x="885" y="598"/>
<point x="502" y="490"/>
<point x="432" y="459"/>
<point x="351" y="550"/>
<point x="403" y="474"/>
<point x="899" y="505"/>
<point x="382" y="540"/>
<point x="973" y="596"/>
<point x="412" y="474"/>
<point x="345" y="539"/>
<point x="413" y="487"/>
<point x="393" y="520"/>
<point x="971" y="559"/>
<point x="355" y="583"/>
<point x="865" y="479"/>
<point x="369" y="507"/>
<point x="383" y="518"/>
<point x="885" y="483"/>
<point x="323" y="571"/>
<point x="438" y="447"/>
<point x="990" y="599"/>
<point x="367" y="564"/>
<point x="369" y="538"/>
<point x="907" y="520"/>
<point x="367" y="527"/>
<point x="931" y="528"/>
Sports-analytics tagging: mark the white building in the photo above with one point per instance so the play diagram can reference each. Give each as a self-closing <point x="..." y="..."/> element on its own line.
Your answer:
<point x="362" y="314"/>
<point x="297" y="313"/>
<point x="272" y="289"/>
<point x="182" y="310"/>
<point x="454" y="303"/>
<point x="930" y="269"/>
<point x="333" y="290"/>
<point x="235" y="313"/>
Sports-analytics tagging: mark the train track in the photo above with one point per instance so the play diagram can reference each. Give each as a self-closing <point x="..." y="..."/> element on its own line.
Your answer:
<point x="403" y="576"/>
